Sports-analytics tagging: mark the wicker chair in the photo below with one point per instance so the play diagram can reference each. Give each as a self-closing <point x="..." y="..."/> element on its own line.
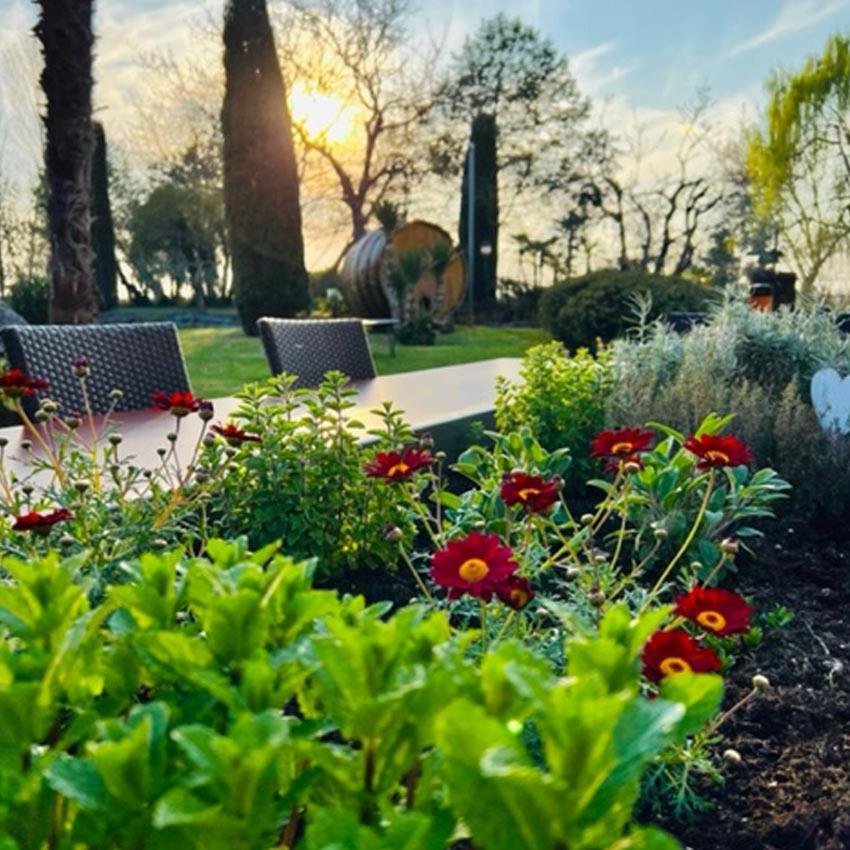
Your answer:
<point x="138" y="359"/>
<point x="310" y="348"/>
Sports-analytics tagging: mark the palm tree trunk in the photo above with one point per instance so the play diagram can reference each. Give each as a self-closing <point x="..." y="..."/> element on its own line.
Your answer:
<point x="67" y="38"/>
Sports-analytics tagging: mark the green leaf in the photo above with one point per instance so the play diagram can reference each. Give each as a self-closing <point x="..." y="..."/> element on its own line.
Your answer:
<point x="78" y="780"/>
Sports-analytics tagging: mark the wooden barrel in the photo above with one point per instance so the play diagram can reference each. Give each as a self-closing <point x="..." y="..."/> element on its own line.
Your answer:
<point x="366" y="273"/>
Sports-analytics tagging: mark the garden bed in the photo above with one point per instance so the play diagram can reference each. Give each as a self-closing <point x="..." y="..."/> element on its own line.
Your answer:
<point x="792" y="789"/>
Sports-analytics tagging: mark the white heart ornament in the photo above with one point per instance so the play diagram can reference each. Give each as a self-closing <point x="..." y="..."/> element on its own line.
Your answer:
<point x="831" y="400"/>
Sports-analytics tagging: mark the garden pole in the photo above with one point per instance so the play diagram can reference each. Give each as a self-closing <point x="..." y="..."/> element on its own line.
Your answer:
<point x="470" y="230"/>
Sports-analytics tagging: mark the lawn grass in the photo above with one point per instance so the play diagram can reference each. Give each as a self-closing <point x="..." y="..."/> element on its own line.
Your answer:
<point x="221" y="360"/>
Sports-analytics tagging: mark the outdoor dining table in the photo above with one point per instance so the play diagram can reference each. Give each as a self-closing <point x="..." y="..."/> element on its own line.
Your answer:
<point x="443" y="401"/>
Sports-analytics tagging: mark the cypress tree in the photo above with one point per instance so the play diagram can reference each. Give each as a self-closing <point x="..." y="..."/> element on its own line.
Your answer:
<point x="261" y="192"/>
<point x="105" y="265"/>
<point x="486" y="194"/>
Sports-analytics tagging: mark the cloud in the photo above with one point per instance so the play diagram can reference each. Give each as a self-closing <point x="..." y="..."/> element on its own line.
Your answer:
<point x="795" y="15"/>
<point x="586" y="68"/>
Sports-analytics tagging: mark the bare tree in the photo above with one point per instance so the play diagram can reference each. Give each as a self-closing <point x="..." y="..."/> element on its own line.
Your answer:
<point x="360" y="51"/>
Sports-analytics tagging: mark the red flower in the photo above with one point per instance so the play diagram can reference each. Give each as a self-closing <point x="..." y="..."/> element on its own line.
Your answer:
<point x="516" y="592"/>
<point x="40" y="523"/>
<point x="621" y="444"/>
<point x="668" y="653"/>
<point x="235" y="436"/>
<point x="477" y="564"/>
<point x="715" y="452"/>
<point x="398" y="466"/>
<point x="721" y="612"/>
<point x="178" y="404"/>
<point x="15" y="384"/>
<point x="534" y="493"/>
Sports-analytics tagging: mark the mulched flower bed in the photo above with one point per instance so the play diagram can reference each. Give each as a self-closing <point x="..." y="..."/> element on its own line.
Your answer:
<point x="792" y="789"/>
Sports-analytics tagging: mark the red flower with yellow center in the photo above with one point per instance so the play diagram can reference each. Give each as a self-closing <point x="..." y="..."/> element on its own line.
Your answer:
<point x="398" y="466"/>
<point x="233" y="435"/>
<point x="40" y="523"/>
<point x="718" y="611"/>
<point x="477" y="564"/>
<point x="675" y="651"/>
<point x="622" y="443"/>
<point x="16" y="384"/>
<point x="178" y="404"/>
<point x="534" y="493"/>
<point x="715" y="452"/>
<point x="516" y="592"/>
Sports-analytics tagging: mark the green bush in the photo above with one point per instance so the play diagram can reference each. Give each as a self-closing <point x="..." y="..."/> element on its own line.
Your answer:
<point x="759" y="367"/>
<point x="30" y="296"/>
<point x="598" y="305"/>
<point x="561" y="398"/>
<point x="223" y="703"/>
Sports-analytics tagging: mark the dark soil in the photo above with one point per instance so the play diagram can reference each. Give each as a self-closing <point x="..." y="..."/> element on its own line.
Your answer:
<point x="792" y="789"/>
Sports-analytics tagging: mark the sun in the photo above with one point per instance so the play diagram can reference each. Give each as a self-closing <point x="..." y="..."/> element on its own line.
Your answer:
<point x="320" y="115"/>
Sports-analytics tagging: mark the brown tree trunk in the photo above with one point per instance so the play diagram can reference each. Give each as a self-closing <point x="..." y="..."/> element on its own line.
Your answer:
<point x="66" y="35"/>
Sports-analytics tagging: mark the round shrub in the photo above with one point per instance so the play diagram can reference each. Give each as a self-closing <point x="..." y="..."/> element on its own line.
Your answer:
<point x="599" y="305"/>
<point x="30" y="297"/>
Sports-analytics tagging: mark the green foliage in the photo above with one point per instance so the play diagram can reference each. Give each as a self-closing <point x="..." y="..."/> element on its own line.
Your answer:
<point x="759" y="367"/>
<point x="802" y="105"/>
<point x="174" y="237"/>
<point x="599" y="305"/>
<point x="224" y="703"/>
<point x="561" y="398"/>
<point x="306" y="486"/>
<point x="261" y="186"/>
<point x="30" y="297"/>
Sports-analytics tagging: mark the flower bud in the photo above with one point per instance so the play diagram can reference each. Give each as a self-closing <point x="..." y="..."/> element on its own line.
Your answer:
<point x="41" y="415"/>
<point x="760" y="682"/>
<point x="393" y="534"/>
<point x="116" y="394"/>
<point x="82" y="368"/>
<point x="660" y="533"/>
<point x="49" y="406"/>
<point x="161" y="452"/>
<point x="28" y="489"/>
<point x="115" y="439"/>
<point x="573" y="572"/>
<point x="209" y="439"/>
<point x="586" y="519"/>
<point x="440" y="457"/>
<point x="596" y="597"/>
<point x="426" y="441"/>
<point x="73" y="421"/>
<point x="81" y="485"/>
<point x="205" y="411"/>
<point x="4" y="441"/>
<point x="26" y="445"/>
<point x="632" y="466"/>
<point x="731" y="756"/>
<point x="730" y="546"/>
<point x="159" y="543"/>
<point x="67" y="540"/>
<point x="202" y="474"/>
<point x="171" y="436"/>
<point x="147" y="474"/>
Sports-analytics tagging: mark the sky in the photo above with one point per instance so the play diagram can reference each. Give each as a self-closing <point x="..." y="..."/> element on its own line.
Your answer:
<point x="633" y="57"/>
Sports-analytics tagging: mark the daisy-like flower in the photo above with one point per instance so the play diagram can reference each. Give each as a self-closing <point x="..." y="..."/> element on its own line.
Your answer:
<point x="398" y="466"/>
<point x="40" y="522"/>
<point x="17" y="384"/>
<point x="516" y="592"/>
<point x="234" y="435"/>
<point x="178" y="403"/>
<point x="675" y="651"/>
<point x="477" y="564"/>
<point x="715" y="452"/>
<point x="621" y="444"/>
<point x="721" y="612"/>
<point x="532" y="492"/>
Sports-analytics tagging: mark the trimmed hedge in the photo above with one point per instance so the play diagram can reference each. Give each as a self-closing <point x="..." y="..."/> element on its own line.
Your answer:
<point x="598" y="305"/>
